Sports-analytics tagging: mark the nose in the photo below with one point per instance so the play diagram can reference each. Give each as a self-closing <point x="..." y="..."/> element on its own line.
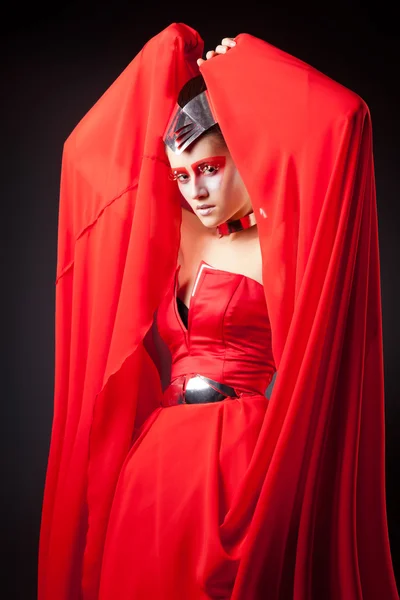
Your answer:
<point x="198" y="190"/>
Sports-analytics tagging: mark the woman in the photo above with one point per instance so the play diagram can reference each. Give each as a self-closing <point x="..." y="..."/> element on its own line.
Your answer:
<point x="202" y="487"/>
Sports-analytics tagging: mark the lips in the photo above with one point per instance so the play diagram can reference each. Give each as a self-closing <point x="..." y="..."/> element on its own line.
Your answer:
<point x="204" y="206"/>
<point x="204" y="212"/>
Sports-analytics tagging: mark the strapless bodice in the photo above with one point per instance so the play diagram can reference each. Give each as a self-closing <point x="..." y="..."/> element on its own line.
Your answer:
<point x="228" y="336"/>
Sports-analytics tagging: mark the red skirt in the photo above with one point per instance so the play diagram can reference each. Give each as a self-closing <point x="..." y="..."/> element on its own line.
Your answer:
<point x="166" y="538"/>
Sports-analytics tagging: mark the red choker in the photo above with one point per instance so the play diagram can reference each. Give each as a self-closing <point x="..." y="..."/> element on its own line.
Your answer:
<point x="237" y="225"/>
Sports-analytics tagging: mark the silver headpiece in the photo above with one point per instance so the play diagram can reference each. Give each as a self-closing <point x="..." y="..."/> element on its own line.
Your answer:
<point x="188" y="123"/>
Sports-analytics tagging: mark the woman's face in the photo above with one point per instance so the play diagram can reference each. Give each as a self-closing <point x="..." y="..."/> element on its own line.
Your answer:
<point x="206" y="174"/>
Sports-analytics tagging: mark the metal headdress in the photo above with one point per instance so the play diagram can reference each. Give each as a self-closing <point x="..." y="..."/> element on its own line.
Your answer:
<point x="188" y="123"/>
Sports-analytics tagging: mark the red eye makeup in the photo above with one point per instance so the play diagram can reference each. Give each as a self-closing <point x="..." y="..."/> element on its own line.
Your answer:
<point x="174" y="173"/>
<point x="213" y="161"/>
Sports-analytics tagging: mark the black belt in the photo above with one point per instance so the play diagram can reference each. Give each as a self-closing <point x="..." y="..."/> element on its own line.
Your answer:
<point x="197" y="389"/>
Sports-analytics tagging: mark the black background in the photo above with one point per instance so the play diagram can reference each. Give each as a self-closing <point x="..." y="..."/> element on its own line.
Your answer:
<point x="57" y="61"/>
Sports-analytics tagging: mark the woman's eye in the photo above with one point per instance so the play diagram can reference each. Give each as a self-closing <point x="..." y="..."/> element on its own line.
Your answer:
<point x="182" y="177"/>
<point x="209" y="169"/>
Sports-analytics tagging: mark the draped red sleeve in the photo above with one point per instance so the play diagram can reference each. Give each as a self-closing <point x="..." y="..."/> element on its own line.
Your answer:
<point x="313" y="522"/>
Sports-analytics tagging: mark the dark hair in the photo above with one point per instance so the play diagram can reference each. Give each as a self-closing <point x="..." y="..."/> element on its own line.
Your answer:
<point x="190" y="90"/>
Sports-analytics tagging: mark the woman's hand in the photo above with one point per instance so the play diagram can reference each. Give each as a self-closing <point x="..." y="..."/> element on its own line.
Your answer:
<point x="222" y="48"/>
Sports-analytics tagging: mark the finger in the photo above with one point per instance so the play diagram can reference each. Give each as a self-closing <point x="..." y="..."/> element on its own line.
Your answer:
<point x="228" y="42"/>
<point x="210" y="54"/>
<point x="200" y="61"/>
<point x="221" y="49"/>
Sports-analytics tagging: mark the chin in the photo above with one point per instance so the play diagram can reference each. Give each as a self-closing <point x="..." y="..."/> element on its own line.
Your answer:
<point x="210" y="223"/>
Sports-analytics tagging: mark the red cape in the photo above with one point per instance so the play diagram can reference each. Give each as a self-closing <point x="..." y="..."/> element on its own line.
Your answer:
<point x="313" y="523"/>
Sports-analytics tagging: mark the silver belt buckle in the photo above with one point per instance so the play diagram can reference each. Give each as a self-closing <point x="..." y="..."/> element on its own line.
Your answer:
<point x="199" y="391"/>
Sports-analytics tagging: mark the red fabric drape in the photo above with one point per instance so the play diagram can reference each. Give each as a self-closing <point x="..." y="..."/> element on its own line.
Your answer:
<point x="312" y="520"/>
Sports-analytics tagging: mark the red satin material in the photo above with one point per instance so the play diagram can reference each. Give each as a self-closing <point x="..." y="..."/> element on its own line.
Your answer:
<point x="309" y="520"/>
<point x="229" y="335"/>
<point x="178" y="486"/>
<point x="170" y="533"/>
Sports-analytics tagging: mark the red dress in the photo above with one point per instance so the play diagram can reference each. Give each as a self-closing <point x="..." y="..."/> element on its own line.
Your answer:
<point x="170" y="534"/>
